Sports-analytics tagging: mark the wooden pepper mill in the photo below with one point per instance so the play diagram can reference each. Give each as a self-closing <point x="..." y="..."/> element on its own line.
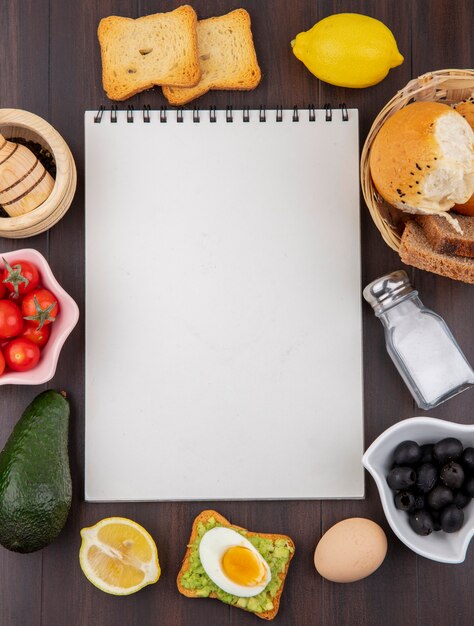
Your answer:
<point x="24" y="183"/>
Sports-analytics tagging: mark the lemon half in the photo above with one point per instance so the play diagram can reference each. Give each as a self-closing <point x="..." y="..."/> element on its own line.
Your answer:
<point x="119" y="556"/>
<point x="348" y="50"/>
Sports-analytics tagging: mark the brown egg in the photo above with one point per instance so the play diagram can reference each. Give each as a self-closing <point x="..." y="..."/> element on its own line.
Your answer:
<point x="350" y="550"/>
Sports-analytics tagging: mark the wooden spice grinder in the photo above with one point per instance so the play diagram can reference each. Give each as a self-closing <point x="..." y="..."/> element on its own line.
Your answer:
<point x="24" y="183"/>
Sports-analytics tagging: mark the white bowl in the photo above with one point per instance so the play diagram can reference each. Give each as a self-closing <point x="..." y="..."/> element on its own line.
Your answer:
<point x="439" y="546"/>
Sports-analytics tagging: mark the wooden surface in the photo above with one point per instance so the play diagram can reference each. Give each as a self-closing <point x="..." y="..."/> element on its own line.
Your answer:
<point x="49" y="64"/>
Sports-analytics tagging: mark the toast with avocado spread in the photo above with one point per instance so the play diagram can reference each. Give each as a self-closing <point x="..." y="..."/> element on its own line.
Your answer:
<point x="277" y="550"/>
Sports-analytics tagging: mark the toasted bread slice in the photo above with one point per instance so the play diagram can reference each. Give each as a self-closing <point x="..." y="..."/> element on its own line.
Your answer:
<point x="416" y="250"/>
<point x="158" y="49"/>
<point x="444" y="238"/>
<point x="213" y="518"/>
<point x="226" y="56"/>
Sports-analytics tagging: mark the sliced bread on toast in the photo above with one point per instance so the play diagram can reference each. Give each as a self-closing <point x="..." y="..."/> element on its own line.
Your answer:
<point x="193" y="582"/>
<point x="158" y="49"/>
<point x="444" y="238"/>
<point x="416" y="250"/>
<point x="227" y="58"/>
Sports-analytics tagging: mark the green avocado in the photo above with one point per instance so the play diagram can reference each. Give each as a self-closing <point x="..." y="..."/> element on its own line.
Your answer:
<point x="35" y="480"/>
<point x="276" y="553"/>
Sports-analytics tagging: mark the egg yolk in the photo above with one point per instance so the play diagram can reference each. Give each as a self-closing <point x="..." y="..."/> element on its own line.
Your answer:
<point x="242" y="566"/>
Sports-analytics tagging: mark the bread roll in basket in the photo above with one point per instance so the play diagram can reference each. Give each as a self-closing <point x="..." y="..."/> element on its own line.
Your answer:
<point x="446" y="86"/>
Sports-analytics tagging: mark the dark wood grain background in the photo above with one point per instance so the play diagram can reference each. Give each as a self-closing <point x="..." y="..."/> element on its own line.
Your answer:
<point x="50" y="64"/>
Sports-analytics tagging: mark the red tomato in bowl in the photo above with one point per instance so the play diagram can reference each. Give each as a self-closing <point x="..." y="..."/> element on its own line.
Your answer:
<point x="22" y="354"/>
<point x="40" y="306"/>
<point x="20" y="277"/>
<point x="39" y="336"/>
<point x="2" y="363"/>
<point x="11" y="321"/>
<point x="10" y="295"/>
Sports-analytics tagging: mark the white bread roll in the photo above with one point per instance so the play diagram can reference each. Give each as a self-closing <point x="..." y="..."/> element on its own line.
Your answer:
<point x="422" y="159"/>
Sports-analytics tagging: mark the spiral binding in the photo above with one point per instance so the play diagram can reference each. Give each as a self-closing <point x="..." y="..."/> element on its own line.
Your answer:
<point x="230" y="114"/>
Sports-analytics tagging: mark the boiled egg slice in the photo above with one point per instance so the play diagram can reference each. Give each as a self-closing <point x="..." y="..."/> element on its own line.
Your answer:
<point x="233" y="563"/>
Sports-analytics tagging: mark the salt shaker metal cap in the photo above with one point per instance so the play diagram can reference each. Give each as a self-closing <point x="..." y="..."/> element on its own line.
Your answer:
<point x="386" y="291"/>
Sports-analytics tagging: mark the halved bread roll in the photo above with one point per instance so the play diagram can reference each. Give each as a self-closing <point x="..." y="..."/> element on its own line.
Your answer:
<point x="466" y="109"/>
<point x="422" y="159"/>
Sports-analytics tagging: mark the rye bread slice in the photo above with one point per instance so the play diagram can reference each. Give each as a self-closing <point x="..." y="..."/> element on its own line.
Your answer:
<point x="227" y="58"/>
<point x="204" y="518"/>
<point x="158" y="49"/>
<point x="444" y="238"/>
<point x="416" y="250"/>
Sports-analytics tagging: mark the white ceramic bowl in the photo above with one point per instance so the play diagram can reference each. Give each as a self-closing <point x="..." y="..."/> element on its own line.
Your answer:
<point x="60" y="329"/>
<point x="439" y="546"/>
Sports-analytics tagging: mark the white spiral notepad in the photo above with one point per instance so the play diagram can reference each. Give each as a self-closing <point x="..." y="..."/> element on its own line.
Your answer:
<point x="223" y="306"/>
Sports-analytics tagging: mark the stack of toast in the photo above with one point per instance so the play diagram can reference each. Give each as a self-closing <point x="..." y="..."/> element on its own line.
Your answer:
<point x="186" y="57"/>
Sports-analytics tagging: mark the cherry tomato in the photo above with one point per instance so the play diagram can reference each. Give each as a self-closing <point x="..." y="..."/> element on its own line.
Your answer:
<point x="2" y="363"/>
<point x="39" y="336"/>
<point x="11" y="322"/>
<point x="13" y="297"/>
<point x="2" y="290"/>
<point x="22" y="355"/>
<point x="20" y="277"/>
<point x="40" y="306"/>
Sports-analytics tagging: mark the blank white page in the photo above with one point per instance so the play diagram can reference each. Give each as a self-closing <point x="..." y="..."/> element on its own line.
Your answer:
<point x="223" y="321"/>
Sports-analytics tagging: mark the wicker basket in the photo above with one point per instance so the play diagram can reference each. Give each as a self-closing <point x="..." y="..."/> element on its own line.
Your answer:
<point x="447" y="86"/>
<point x="18" y="123"/>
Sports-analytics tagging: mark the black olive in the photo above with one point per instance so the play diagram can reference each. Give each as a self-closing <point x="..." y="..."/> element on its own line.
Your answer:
<point x="468" y="487"/>
<point x="439" y="497"/>
<point x="405" y="501"/>
<point x="461" y="499"/>
<point x="467" y="459"/>
<point x="451" y="519"/>
<point x="421" y="522"/>
<point x="446" y="450"/>
<point x="452" y="475"/>
<point x="426" y="477"/>
<point x="427" y="453"/>
<point x="407" y="453"/>
<point x="419" y="501"/>
<point x="401" y="478"/>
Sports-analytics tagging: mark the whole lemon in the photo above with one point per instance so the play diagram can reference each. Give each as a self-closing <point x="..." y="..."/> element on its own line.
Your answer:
<point x="348" y="50"/>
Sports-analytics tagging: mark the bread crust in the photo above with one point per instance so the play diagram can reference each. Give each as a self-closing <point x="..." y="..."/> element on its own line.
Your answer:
<point x="204" y="518"/>
<point x="415" y="250"/>
<point x="224" y="76"/>
<point x="109" y="31"/>
<point x="408" y="134"/>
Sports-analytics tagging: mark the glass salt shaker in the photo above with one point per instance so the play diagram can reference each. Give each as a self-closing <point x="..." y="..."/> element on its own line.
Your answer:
<point x="418" y="341"/>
